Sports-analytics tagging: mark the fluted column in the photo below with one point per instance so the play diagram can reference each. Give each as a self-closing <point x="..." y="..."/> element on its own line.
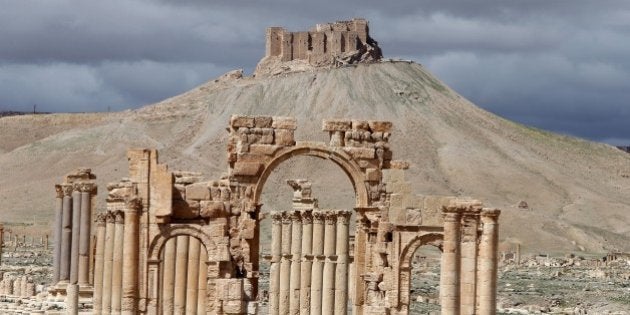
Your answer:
<point x="85" y="234"/>
<point x="168" y="286"/>
<point x="307" y="262"/>
<point x="341" y="270"/>
<point x="274" y="269"/>
<point x="99" y="263"/>
<point x="131" y="253"/>
<point x="76" y="230"/>
<point x="285" y="265"/>
<point x="66" y="236"/>
<point x="487" y="262"/>
<point x="296" y="262"/>
<point x="58" y="232"/>
<point x="181" y="265"/>
<point x="470" y="224"/>
<point x="117" y="262"/>
<point x="318" y="262"/>
<point x="108" y="262"/>
<point x="328" y="280"/>
<point x="449" y="274"/>
<point x="192" y="282"/>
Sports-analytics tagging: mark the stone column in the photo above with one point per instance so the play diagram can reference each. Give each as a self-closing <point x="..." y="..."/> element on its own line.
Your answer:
<point x="328" y="280"/>
<point x="296" y="262"/>
<point x="108" y="262"/>
<point x="119" y="240"/>
<point x="192" y="283"/>
<point x="487" y="262"/>
<point x="131" y="253"/>
<point x="72" y="299"/>
<point x="285" y="265"/>
<point x="307" y="262"/>
<point x="470" y="224"/>
<point x="168" y="286"/>
<point x="202" y="285"/>
<point x="181" y="265"/>
<point x="58" y="233"/>
<point x="66" y="236"/>
<point x="274" y="269"/>
<point x="99" y="257"/>
<point x="517" y="255"/>
<point x="341" y="271"/>
<point x="85" y="234"/>
<point x="450" y="266"/>
<point x="318" y="262"/>
<point x="76" y="230"/>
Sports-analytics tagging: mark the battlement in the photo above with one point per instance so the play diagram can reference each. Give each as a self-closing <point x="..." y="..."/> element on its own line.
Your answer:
<point x="338" y="43"/>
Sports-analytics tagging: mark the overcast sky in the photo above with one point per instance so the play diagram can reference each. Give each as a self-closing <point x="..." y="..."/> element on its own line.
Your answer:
<point x="563" y="66"/>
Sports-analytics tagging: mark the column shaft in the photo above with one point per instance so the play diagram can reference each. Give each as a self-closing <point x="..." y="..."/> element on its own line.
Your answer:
<point x="328" y="280"/>
<point x="307" y="262"/>
<point x="487" y="262"/>
<point x="192" y="283"/>
<point x="66" y="237"/>
<point x="318" y="263"/>
<point x="181" y="266"/>
<point x="285" y="265"/>
<point x="168" y="276"/>
<point x="58" y="232"/>
<point x="108" y="262"/>
<point x="99" y="264"/>
<point x="296" y="262"/>
<point x="202" y="285"/>
<point x="449" y="274"/>
<point x="131" y="253"/>
<point x="76" y="230"/>
<point x="84" y="235"/>
<point x="72" y="299"/>
<point x="274" y="269"/>
<point x="468" y="271"/>
<point x="341" y="271"/>
<point x="117" y="262"/>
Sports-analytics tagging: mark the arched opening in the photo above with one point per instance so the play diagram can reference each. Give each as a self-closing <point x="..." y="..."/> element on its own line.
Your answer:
<point x="182" y="276"/>
<point x="420" y="266"/>
<point x="333" y="189"/>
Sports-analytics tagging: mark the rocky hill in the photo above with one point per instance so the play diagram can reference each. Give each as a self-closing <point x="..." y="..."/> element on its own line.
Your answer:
<point x="557" y="193"/>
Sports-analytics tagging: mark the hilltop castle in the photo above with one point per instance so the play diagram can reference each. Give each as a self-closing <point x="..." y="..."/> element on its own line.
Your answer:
<point x="329" y="44"/>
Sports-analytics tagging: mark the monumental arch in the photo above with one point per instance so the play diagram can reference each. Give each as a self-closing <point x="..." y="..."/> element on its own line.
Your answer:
<point x="216" y="227"/>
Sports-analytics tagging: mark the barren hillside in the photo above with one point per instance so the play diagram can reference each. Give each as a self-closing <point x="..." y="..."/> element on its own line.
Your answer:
<point x="577" y="191"/>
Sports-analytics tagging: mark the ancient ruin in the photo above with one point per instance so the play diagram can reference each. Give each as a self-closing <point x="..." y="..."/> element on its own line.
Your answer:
<point x="328" y="44"/>
<point x="173" y="242"/>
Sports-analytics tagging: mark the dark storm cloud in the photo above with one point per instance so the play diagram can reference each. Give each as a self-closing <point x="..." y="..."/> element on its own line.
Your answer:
<point x="558" y="65"/>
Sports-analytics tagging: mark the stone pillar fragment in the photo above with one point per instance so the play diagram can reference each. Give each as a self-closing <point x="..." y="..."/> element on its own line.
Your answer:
<point x="76" y="228"/>
<point x="192" y="283"/>
<point x="84" y="234"/>
<point x="296" y="262"/>
<point x="341" y="271"/>
<point x="131" y="253"/>
<point x="72" y="299"/>
<point x="117" y="262"/>
<point x="58" y="233"/>
<point x="202" y="285"/>
<point x="318" y="262"/>
<point x="449" y="274"/>
<point x="168" y="287"/>
<point x="274" y="269"/>
<point x="328" y="280"/>
<point x="66" y="237"/>
<point x="181" y="266"/>
<point x="307" y="262"/>
<point x="108" y="262"/>
<point x="285" y="265"/>
<point x="487" y="262"/>
<point x="468" y="271"/>
<point x="99" y="257"/>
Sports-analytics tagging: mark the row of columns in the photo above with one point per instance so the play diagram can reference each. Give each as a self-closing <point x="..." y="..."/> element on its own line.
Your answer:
<point x="73" y="215"/>
<point x="22" y="241"/>
<point x="21" y="286"/>
<point x="184" y="276"/>
<point x="309" y="262"/>
<point x="468" y="278"/>
<point x="116" y="260"/>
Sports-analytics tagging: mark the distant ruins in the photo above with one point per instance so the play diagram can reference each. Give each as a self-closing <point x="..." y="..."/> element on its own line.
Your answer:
<point x="171" y="242"/>
<point x="329" y="44"/>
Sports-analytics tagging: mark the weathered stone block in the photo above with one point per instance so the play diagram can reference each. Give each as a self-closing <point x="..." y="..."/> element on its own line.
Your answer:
<point x="198" y="191"/>
<point x="185" y="209"/>
<point x="284" y="123"/>
<point x="263" y="121"/>
<point x="266" y="136"/>
<point x="399" y="165"/>
<point x="161" y="183"/>
<point x="336" y="125"/>
<point x="263" y="149"/>
<point x="212" y="209"/>
<point x="284" y="137"/>
<point x="361" y="153"/>
<point x="413" y="216"/>
<point x="237" y="121"/>
<point x="373" y="174"/>
<point x="360" y="125"/>
<point x="247" y="168"/>
<point x="380" y="126"/>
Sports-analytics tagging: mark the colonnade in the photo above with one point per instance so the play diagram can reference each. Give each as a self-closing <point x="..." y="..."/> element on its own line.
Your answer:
<point x="183" y="279"/>
<point x="468" y="278"/>
<point x="309" y="262"/>
<point x="73" y="216"/>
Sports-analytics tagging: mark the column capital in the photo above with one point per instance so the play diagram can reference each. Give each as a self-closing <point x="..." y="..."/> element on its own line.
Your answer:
<point x="101" y="218"/>
<point x="133" y="204"/>
<point x="286" y="217"/>
<point x="59" y="191"/>
<point x="110" y="217"/>
<point x="87" y="187"/>
<point x="452" y="213"/>
<point x="318" y="217"/>
<point x="67" y="189"/>
<point x="330" y="216"/>
<point x="489" y="215"/>
<point x="296" y="216"/>
<point x="276" y="217"/>
<point x="119" y="217"/>
<point x="343" y="216"/>
<point x="307" y="217"/>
